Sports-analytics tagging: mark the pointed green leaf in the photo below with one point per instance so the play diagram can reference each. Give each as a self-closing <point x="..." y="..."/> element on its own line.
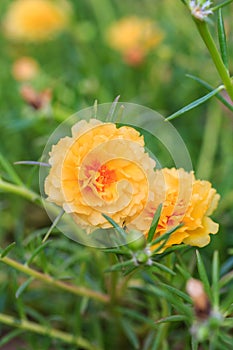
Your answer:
<point x="7" y="250"/>
<point x="203" y="274"/>
<point x="130" y="269"/>
<point x="225" y="3"/>
<point x="11" y="335"/>
<point x="194" y="342"/>
<point x="117" y="251"/>
<point x="177" y="292"/>
<point x="154" y="224"/>
<point x="84" y="305"/>
<point x="176" y="302"/>
<point x="227" y="304"/>
<point x="164" y="238"/>
<point x="129" y="332"/>
<point x="215" y="279"/>
<point x="227" y="266"/>
<point x="194" y="104"/>
<point x="37" y="316"/>
<point x="119" y="266"/>
<point x="210" y="88"/>
<point x="36" y="252"/>
<point x="163" y="293"/>
<point x="55" y="222"/>
<point x="166" y="235"/>
<point x="184" y="272"/>
<point x="173" y="318"/>
<point x="136" y="315"/>
<point x="10" y="170"/>
<point x="119" y="229"/>
<point x="222" y="38"/>
<point x="23" y="286"/>
<point x="226" y="279"/>
<point x="163" y="268"/>
<point x="176" y="248"/>
<point x="224" y="339"/>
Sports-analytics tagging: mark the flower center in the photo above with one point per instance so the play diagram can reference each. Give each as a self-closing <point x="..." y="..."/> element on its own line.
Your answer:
<point x="105" y="177"/>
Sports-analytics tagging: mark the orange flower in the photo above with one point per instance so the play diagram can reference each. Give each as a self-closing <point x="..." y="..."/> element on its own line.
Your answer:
<point x="100" y="169"/>
<point x="25" y="68"/>
<point x="134" y="37"/>
<point x="34" y="20"/>
<point x="185" y="200"/>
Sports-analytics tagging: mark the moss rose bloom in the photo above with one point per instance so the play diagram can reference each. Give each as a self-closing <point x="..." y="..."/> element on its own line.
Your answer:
<point x="185" y="201"/>
<point x="100" y="169"/>
<point x="25" y="69"/>
<point x="34" y="20"/>
<point x="133" y="37"/>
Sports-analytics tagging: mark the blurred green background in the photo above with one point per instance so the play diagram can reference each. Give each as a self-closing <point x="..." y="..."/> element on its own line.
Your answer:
<point x="78" y="66"/>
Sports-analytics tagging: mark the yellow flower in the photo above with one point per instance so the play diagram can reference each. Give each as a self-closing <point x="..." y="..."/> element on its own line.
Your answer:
<point x="185" y="200"/>
<point x="100" y="169"/>
<point x="133" y="37"/>
<point x="34" y="20"/>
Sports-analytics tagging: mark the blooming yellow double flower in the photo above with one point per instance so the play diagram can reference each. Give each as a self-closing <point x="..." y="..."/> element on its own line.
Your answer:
<point x="105" y="169"/>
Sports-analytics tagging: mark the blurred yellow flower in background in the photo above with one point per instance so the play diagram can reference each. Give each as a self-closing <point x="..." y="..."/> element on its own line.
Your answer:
<point x="185" y="201"/>
<point x="134" y="37"/>
<point x="100" y="169"/>
<point x="34" y="20"/>
<point x="25" y="68"/>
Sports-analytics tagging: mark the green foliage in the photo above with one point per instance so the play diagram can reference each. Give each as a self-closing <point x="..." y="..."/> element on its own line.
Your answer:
<point x="52" y="290"/>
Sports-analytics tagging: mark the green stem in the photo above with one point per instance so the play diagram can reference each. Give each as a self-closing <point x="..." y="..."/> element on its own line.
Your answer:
<point x="227" y="2"/>
<point x="210" y="142"/>
<point x="125" y="280"/>
<point x="50" y="332"/>
<point x="20" y="191"/>
<point x="113" y="280"/>
<point x="215" y="281"/>
<point x="210" y="44"/>
<point x="81" y="291"/>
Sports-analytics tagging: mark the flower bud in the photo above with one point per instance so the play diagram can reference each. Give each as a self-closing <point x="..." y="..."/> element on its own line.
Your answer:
<point x="215" y="321"/>
<point x="199" y="297"/>
<point x="142" y="257"/>
<point x="136" y="240"/>
<point x="203" y="332"/>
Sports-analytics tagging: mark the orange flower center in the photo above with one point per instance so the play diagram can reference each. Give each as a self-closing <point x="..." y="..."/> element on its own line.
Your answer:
<point x="105" y="178"/>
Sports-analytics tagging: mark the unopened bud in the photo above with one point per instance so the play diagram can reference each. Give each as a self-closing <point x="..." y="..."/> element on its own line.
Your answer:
<point x="202" y="332"/>
<point x="142" y="257"/>
<point x="199" y="297"/>
<point x="136" y="240"/>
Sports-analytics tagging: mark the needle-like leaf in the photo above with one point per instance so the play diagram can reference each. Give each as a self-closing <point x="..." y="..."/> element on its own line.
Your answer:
<point x="195" y="103"/>
<point x="222" y="38"/>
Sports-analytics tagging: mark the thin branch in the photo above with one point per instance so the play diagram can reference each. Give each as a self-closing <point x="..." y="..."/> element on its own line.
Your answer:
<point x="50" y="332"/>
<point x="81" y="291"/>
